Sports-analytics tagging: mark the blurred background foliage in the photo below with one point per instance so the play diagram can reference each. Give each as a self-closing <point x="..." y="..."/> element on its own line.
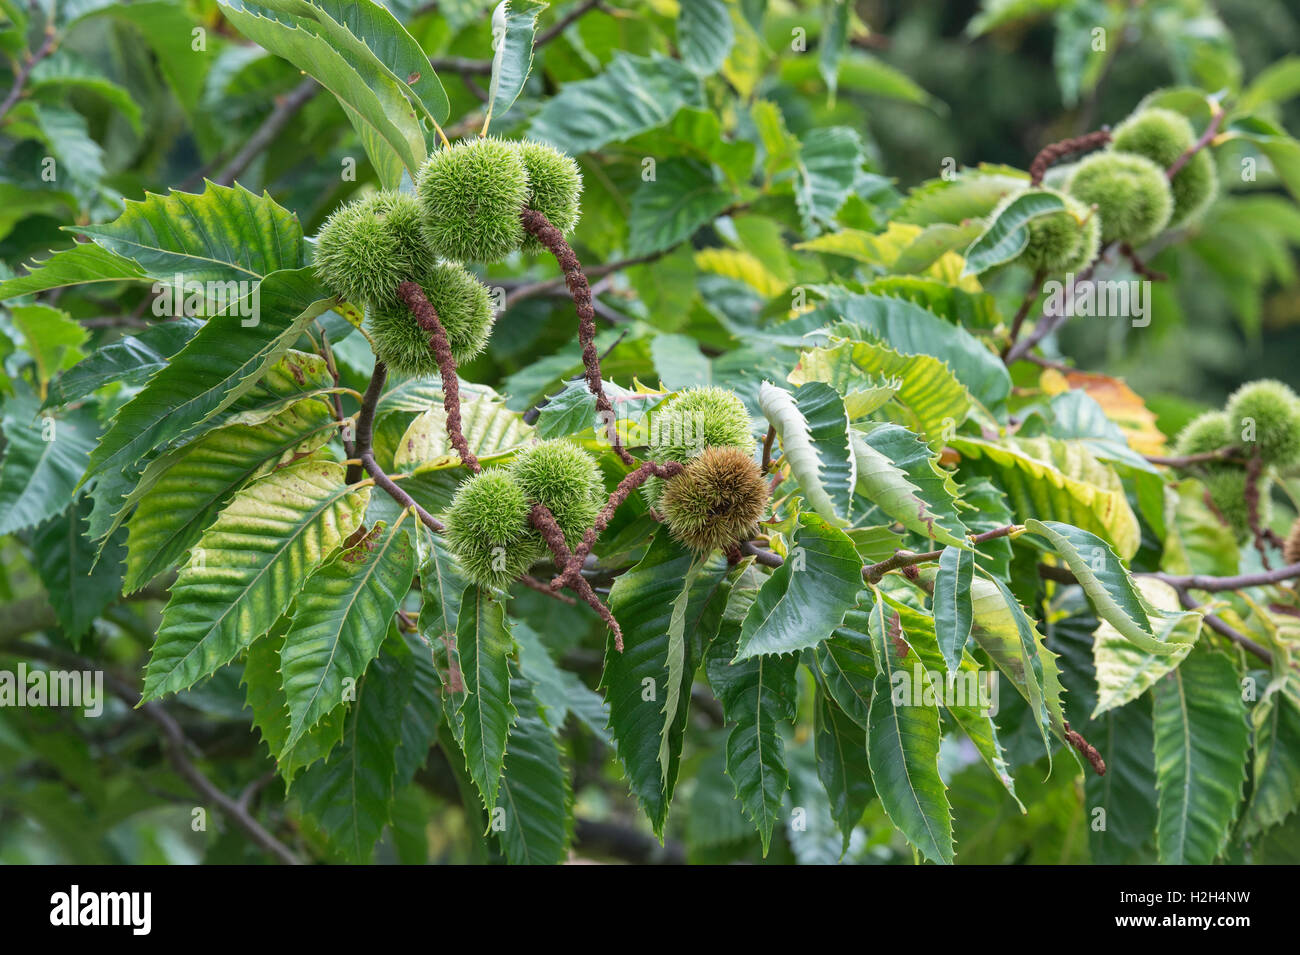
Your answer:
<point x="126" y="108"/>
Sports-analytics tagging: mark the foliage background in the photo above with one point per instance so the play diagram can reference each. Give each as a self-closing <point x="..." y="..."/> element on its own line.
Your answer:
<point x="130" y="109"/>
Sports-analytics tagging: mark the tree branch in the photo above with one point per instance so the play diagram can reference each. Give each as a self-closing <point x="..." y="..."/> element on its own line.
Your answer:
<point x="25" y="71"/>
<point x="1206" y="138"/>
<point x="265" y="134"/>
<point x="364" y="440"/>
<point x="176" y="746"/>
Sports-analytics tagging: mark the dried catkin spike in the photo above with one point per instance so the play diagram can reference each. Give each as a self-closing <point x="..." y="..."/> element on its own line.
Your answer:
<point x="464" y="308"/>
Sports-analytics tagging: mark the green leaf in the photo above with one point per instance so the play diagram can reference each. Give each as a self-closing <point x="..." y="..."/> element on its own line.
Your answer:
<point x="65" y="560"/>
<point x="934" y="242"/>
<point x="42" y="460"/>
<point x="131" y="360"/>
<point x="64" y="72"/>
<point x="537" y="824"/>
<point x="247" y="568"/>
<point x="1276" y="766"/>
<point x="82" y="264"/>
<point x="964" y="691"/>
<point x="559" y="692"/>
<point x="374" y="41"/>
<point x="423" y="715"/>
<point x="51" y="337"/>
<point x="490" y="429"/>
<point x="903" y="750"/>
<point x="808" y="595"/>
<point x="898" y="473"/>
<point x="1007" y="235"/>
<point x="971" y="194"/>
<point x="668" y="209"/>
<point x="813" y="427"/>
<point x="1051" y="479"/>
<point x="374" y="98"/>
<point x="1124" y="671"/>
<point x="953" y="615"/>
<point x="1007" y="634"/>
<point x="485" y="710"/>
<point x="827" y="168"/>
<point x="1201" y="741"/>
<point x="181" y="491"/>
<point x="1112" y="593"/>
<point x="834" y="42"/>
<point x="339" y="620"/>
<point x="935" y="401"/>
<point x="997" y="13"/>
<point x="1276" y="83"/>
<point x="66" y="134"/>
<point x="847" y="665"/>
<point x="264" y="695"/>
<point x="441" y="585"/>
<point x="222" y="234"/>
<point x="351" y="795"/>
<point x="842" y="764"/>
<point x="757" y="695"/>
<point x="636" y="681"/>
<point x="514" y="22"/>
<point x="704" y="35"/>
<point x="220" y="364"/>
<point x="910" y="329"/>
<point x="634" y="94"/>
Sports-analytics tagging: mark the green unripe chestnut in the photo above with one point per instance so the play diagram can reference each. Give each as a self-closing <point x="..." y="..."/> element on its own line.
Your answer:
<point x="471" y="194"/>
<point x="1162" y="136"/>
<point x="464" y="308"/>
<point x="1130" y="193"/>
<point x="368" y="247"/>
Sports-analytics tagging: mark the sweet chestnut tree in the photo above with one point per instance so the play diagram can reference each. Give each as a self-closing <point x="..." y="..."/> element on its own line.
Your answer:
<point x="579" y="444"/>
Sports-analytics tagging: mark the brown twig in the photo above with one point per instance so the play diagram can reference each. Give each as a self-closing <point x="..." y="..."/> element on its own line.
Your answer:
<point x="905" y="558"/>
<point x="768" y="440"/>
<point x="541" y="518"/>
<point x="540" y="586"/>
<point x="1049" y="323"/>
<point x="25" y="71"/>
<point x="1183" y="583"/>
<point x="364" y="451"/>
<point x="533" y="289"/>
<point x="1188" y="460"/>
<point x="1051" y="154"/>
<point x="572" y="568"/>
<point x="553" y="240"/>
<point x="1031" y="296"/>
<point x="176" y="746"/>
<point x="761" y="554"/>
<point x="1207" y="137"/>
<point x="426" y="316"/>
<point x="265" y="134"/>
<point x="1140" y="267"/>
<point x="1222" y="627"/>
